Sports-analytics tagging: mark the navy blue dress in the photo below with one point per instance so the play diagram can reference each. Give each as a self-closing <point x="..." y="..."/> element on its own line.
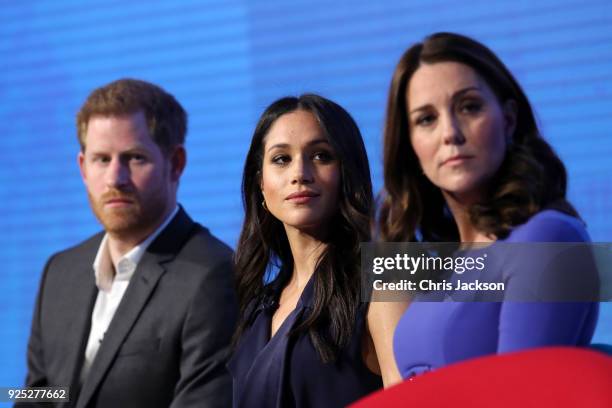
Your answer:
<point x="286" y="371"/>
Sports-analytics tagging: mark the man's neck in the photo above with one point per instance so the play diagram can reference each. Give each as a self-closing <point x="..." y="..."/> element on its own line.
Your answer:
<point x="120" y="244"/>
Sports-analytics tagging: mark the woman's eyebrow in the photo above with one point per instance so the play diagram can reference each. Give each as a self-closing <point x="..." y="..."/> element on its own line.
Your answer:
<point x="456" y="95"/>
<point x="311" y="143"/>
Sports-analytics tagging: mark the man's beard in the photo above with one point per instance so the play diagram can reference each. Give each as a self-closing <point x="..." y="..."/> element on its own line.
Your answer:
<point x="140" y="217"/>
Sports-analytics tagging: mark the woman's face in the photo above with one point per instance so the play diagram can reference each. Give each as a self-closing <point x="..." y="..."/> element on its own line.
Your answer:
<point x="458" y="129"/>
<point x="300" y="173"/>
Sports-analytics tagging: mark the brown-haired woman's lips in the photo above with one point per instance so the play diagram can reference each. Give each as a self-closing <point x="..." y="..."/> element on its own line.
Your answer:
<point x="456" y="159"/>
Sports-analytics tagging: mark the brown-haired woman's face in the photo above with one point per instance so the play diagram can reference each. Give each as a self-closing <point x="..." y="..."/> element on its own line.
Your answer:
<point x="300" y="172"/>
<point x="458" y="128"/>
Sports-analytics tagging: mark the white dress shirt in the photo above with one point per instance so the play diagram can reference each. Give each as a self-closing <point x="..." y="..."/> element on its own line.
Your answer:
<point x="112" y="281"/>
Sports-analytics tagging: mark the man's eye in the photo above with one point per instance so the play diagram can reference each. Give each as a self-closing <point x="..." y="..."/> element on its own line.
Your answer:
<point x="138" y="158"/>
<point x="101" y="159"/>
<point x="280" y="159"/>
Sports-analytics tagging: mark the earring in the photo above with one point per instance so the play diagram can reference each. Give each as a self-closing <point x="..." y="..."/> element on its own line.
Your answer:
<point x="263" y="204"/>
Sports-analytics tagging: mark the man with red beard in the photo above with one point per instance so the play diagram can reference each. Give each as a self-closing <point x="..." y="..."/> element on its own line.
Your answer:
<point x="141" y="314"/>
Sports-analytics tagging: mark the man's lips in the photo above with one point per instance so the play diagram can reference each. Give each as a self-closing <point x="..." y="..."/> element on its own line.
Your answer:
<point x="118" y="201"/>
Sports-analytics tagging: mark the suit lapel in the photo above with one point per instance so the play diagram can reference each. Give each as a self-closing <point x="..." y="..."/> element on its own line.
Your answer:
<point x="79" y="319"/>
<point x="141" y="287"/>
<point x="138" y="292"/>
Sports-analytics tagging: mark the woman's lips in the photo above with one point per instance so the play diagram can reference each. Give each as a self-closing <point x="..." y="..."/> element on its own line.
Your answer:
<point x="302" y="197"/>
<point x="457" y="159"/>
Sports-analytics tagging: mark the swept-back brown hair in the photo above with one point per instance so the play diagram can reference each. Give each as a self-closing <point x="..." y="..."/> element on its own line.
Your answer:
<point x="531" y="176"/>
<point x="166" y="118"/>
<point x="263" y="241"/>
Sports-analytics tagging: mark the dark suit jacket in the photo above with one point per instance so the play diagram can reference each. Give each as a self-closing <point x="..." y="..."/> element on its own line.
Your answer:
<point x="168" y="341"/>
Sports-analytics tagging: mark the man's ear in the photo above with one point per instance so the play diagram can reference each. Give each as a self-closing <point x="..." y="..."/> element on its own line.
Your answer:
<point x="81" y="163"/>
<point x="510" y="111"/>
<point x="178" y="161"/>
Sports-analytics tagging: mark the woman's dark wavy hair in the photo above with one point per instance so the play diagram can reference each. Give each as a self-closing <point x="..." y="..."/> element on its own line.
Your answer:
<point x="263" y="241"/>
<point x="530" y="178"/>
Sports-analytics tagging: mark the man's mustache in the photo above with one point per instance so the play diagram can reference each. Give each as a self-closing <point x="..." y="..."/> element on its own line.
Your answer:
<point x="118" y="195"/>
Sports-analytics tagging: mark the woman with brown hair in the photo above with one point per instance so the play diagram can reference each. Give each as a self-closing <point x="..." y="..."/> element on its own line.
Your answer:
<point x="464" y="161"/>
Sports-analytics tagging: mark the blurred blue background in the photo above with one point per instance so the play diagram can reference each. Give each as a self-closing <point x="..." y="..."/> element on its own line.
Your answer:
<point x="226" y="61"/>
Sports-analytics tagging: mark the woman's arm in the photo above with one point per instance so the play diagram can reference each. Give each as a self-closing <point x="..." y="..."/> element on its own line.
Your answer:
<point x="382" y="318"/>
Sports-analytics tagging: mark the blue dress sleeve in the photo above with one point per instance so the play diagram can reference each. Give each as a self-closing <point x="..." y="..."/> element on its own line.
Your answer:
<point x="528" y="325"/>
<point x="525" y="325"/>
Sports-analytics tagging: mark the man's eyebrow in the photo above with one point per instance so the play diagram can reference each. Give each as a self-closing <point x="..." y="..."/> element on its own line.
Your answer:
<point x="132" y="150"/>
<point x="91" y="152"/>
<point x="456" y="95"/>
<point x="135" y="150"/>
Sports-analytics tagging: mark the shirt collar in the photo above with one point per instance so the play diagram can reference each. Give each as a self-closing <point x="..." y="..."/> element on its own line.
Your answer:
<point x="104" y="270"/>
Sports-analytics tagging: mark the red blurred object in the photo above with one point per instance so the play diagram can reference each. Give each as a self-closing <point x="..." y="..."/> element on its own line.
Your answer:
<point x="545" y="377"/>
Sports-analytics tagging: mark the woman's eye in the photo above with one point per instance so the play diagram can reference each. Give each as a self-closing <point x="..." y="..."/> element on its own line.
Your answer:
<point x="280" y="159"/>
<point x="471" y="107"/>
<point x="425" y="120"/>
<point x="323" y="156"/>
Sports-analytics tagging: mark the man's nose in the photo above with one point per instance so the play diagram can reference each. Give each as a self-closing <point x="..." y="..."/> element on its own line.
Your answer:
<point x="117" y="174"/>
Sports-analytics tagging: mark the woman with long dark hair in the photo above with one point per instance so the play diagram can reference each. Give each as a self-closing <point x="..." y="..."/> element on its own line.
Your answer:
<point x="464" y="161"/>
<point x="306" y="339"/>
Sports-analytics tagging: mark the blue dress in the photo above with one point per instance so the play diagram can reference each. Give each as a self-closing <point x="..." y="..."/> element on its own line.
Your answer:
<point x="286" y="371"/>
<point x="433" y="334"/>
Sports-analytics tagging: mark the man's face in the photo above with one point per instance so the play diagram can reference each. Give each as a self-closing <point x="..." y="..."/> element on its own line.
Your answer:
<point x="130" y="183"/>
